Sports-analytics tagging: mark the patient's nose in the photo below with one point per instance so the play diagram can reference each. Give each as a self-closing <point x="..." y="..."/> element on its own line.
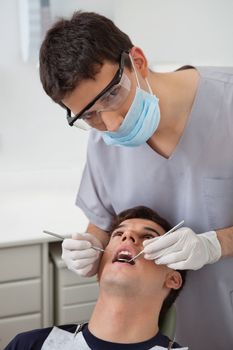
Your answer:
<point x="129" y="236"/>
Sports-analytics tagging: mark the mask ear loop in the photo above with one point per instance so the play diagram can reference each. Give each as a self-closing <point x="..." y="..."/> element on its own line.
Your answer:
<point x="149" y="87"/>
<point x="136" y="75"/>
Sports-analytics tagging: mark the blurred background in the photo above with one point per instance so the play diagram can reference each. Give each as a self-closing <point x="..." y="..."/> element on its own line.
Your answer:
<point x="34" y="133"/>
<point x="41" y="157"/>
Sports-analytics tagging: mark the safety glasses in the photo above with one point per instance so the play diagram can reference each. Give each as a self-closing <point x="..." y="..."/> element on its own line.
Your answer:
<point x="110" y="98"/>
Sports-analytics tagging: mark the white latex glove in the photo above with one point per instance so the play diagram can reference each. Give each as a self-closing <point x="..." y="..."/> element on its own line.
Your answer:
<point x="79" y="256"/>
<point x="184" y="249"/>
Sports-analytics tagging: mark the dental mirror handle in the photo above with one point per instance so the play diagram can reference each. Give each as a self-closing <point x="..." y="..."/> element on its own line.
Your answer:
<point x="136" y="256"/>
<point x="62" y="238"/>
<point x="171" y="230"/>
<point x="54" y="235"/>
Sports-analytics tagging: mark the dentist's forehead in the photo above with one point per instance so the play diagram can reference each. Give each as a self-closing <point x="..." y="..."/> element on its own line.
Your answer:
<point x="139" y="225"/>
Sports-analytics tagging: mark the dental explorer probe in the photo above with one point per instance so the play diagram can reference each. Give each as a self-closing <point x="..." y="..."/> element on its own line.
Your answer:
<point x="171" y="230"/>
<point x="62" y="238"/>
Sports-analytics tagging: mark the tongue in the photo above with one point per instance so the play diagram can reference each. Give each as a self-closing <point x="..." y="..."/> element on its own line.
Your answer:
<point x="124" y="257"/>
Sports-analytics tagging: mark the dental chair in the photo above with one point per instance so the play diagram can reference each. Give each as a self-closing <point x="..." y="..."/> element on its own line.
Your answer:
<point x="168" y="324"/>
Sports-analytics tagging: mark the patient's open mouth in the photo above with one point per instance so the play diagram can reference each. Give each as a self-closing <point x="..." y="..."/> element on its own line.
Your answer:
<point x="124" y="256"/>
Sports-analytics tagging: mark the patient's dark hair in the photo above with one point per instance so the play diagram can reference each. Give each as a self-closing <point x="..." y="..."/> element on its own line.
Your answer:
<point x="75" y="49"/>
<point x="142" y="212"/>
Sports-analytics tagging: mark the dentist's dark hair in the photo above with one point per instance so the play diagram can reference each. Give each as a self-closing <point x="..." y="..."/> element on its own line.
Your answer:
<point x="142" y="212"/>
<point x="75" y="49"/>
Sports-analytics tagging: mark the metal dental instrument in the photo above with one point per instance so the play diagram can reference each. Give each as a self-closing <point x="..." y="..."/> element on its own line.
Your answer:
<point x="62" y="238"/>
<point x="171" y="230"/>
<point x="54" y="234"/>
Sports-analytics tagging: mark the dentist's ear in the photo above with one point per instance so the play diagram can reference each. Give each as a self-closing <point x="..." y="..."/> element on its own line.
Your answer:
<point x="140" y="61"/>
<point x="173" y="280"/>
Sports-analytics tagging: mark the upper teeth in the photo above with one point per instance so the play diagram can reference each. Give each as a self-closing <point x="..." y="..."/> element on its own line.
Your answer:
<point x="125" y="252"/>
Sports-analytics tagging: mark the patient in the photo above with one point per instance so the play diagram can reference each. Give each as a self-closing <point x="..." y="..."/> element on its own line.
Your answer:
<point x="133" y="296"/>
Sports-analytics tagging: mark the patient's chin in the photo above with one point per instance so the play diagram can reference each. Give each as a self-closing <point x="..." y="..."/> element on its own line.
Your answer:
<point x="118" y="286"/>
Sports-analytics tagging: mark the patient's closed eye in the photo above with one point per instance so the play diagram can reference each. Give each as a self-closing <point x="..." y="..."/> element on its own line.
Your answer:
<point x="117" y="233"/>
<point x="148" y="236"/>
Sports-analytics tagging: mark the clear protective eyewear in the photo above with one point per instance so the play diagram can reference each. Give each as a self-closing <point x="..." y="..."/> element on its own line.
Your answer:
<point x="109" y="99"/>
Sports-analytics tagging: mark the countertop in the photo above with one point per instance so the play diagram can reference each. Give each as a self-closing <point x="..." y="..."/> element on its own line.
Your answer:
<point x="33" y="201"/>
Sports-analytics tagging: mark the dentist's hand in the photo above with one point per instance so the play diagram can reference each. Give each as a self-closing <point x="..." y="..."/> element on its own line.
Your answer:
<point x="184" y="249"/>
<point x="79" y="256"/>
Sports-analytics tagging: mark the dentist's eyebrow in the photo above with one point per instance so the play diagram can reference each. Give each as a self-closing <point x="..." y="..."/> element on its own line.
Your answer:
<point x="153" y="230"/>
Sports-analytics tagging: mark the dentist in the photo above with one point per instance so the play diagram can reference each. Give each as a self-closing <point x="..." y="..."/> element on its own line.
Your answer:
<point x="163" y="140"/>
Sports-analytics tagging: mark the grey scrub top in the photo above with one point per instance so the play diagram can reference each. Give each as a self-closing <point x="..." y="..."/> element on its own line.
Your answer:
<point x="195" y="184"/>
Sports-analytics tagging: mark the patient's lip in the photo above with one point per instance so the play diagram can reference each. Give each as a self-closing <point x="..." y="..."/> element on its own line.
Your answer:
<point x="123" y="248"/>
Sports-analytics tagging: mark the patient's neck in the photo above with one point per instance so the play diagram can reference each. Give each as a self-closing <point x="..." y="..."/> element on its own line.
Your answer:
<point x="124" y="320"/>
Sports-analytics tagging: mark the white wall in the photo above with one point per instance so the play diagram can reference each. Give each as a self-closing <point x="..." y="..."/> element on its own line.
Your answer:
<point x="66" y="8"/>
<point x="180" y="31"/>
<point x="33" y="130"/>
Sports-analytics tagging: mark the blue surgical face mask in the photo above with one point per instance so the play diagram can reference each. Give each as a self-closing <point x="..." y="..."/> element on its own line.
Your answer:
<point x="139" y="124"/>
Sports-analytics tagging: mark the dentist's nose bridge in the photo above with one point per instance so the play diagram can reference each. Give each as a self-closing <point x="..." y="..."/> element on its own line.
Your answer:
<point x="111" y="119"/>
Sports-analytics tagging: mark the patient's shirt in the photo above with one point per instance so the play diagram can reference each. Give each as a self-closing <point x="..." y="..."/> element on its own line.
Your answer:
<point x="63" y="339"/>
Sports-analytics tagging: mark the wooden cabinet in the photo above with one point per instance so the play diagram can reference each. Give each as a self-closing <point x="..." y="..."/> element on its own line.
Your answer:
<point x="31" y="201"/>
<point x="24" y="290"/>
<point x="37" y="291"/>
<point x="74" y="296"/>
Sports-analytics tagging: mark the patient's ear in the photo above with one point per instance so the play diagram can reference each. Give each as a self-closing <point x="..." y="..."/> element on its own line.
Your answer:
<point x="173" y="280"/>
